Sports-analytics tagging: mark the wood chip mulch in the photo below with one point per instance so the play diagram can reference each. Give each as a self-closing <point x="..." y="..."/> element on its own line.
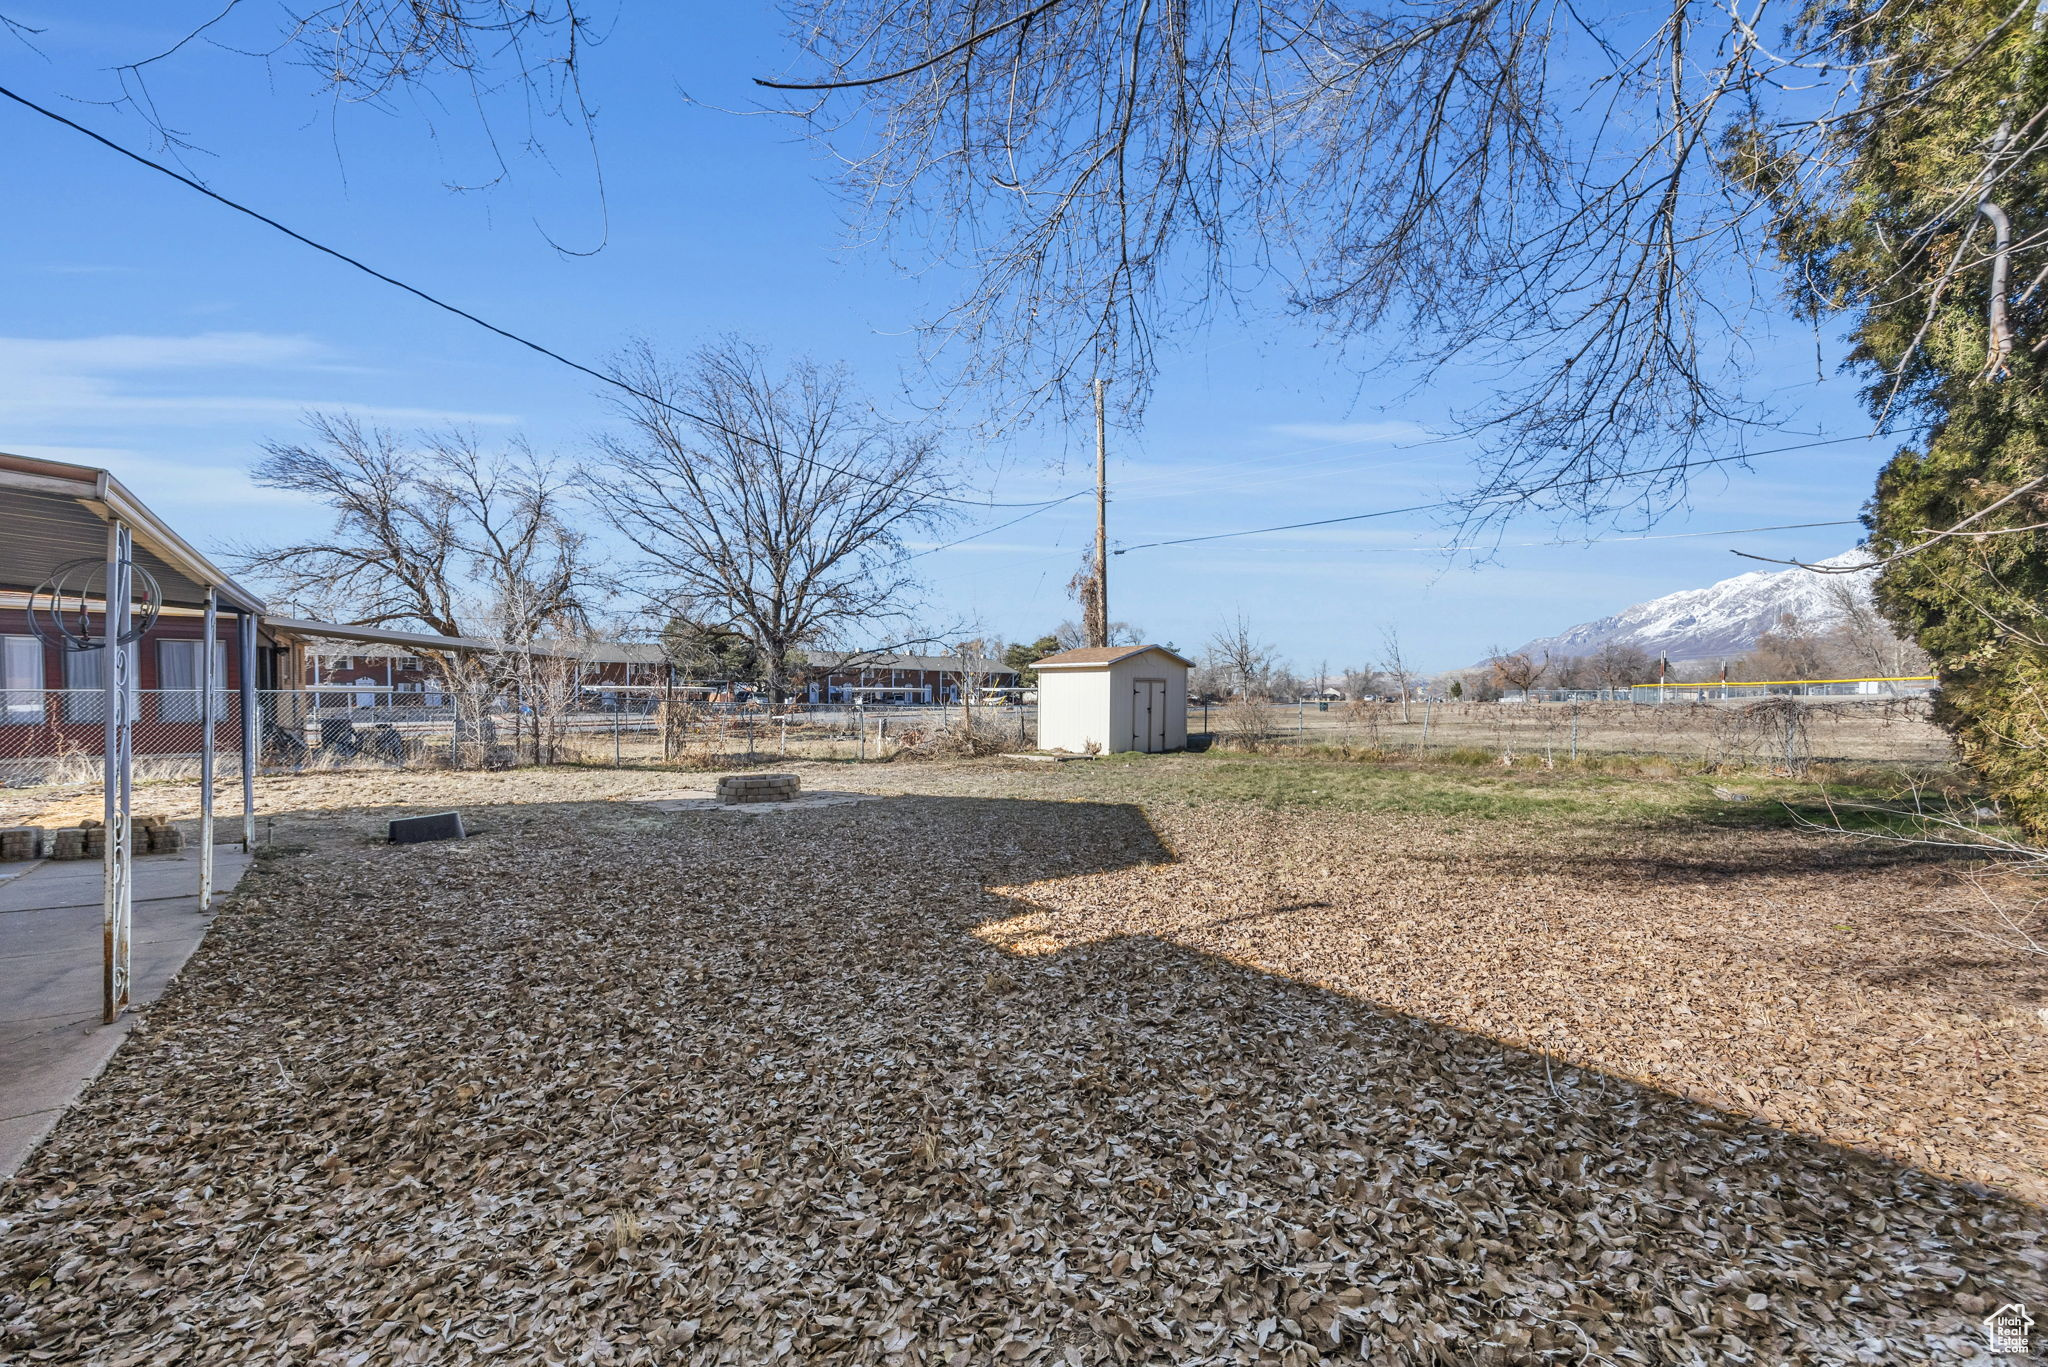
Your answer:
<point x="964" y="1079"/>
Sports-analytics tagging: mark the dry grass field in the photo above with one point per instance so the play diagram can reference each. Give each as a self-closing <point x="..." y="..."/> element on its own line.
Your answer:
<point x="1190" y="1059"/>
<point x="1735" y="733"/>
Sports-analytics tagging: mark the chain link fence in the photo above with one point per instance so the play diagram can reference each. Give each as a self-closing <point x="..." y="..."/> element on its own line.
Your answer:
<point x="56" y="736"/>
<point x="1779" y="732"/>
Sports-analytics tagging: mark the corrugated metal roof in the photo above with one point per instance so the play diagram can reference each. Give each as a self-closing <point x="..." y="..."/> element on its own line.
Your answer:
<point x="52" y="512"/>
<point x="382" y="636"/>
<point x="594" y="652"/>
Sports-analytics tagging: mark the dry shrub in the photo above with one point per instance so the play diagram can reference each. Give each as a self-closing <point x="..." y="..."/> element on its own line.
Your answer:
<point x="1245" y="724"/>
<point x="1770" y="731"/>
<point x="965" y="739"/>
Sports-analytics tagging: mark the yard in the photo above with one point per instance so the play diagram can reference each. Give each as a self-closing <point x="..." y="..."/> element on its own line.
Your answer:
<point x="1193" y="1059"/>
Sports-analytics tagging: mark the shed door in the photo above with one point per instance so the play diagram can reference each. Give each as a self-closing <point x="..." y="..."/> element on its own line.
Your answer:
<point x="1148" y="715"/>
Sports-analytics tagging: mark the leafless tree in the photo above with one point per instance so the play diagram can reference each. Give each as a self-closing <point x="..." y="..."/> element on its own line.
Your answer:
<point x="781" y="516"/>
<point x="1791" y="649"/>
<point x="1435" y="173"/>
<point x="1516" y="670"/>
<point x="1359" y="684"/>
<point x="1861" y="635"/>
<point x="443" y="55"/>
<point x="432" y="533"/>
<point x="1075" y="635"/>
<point x="1615" y="665"/>
<point x="1245" y="662"/>
<point x="978" y="659"/>
<point x="1395" y="666"/>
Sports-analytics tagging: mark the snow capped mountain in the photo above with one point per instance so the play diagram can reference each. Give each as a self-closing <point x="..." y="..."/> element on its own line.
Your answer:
<point x="1718" y="621"/>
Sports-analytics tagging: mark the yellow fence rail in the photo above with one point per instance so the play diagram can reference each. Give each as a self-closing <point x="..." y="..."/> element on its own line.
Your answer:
<point x="1785" y="683"/>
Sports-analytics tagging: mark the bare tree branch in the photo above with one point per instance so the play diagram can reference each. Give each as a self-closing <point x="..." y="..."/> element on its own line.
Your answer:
<point x="780" y="516"/>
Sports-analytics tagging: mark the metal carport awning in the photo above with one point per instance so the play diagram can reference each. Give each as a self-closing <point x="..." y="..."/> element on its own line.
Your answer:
<point x="53" y="513"/>
<point x="380" y="636"/>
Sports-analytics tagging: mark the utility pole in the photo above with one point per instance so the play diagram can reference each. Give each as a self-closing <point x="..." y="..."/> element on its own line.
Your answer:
<point x="1101" y="520"/>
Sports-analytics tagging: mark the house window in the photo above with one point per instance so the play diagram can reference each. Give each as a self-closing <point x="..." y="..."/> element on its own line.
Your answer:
<point x="21" y="679"/>
<point x="85" y="684"/>
<point x="177" y="675"/>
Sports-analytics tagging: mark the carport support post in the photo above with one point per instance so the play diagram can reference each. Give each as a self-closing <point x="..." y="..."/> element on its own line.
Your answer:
<point x="245" y="638"/>
<point x="209" y="709"/>
<point x="117" y="904"/>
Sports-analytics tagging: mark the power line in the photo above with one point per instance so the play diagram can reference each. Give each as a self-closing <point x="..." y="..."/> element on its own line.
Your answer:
<point x="986" y="531"/>
<point x="1456" y="503"/>
<point x="1604" y="540"/>
<point x="469" y="317"/>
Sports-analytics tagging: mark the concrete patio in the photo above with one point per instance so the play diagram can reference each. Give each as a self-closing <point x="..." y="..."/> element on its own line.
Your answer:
<point x="52" y="1042"/>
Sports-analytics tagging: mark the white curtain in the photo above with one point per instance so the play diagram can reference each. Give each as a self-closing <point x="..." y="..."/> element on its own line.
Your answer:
<point x="177" y="676"/>
<point x="21" y="679"/>
<point x="85" y="683"/>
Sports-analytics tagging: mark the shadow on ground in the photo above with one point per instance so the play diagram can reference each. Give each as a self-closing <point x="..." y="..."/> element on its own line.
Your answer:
<point x="617" y="1086"/>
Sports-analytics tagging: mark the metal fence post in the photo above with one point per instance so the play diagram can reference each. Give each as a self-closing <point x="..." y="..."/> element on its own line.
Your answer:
<point x="118" y="765"/>
<point x="1575" y="735"/>
<point x="1428" y="704"/>
<point x="245" y="637"/>
<point x="209" y="718"/>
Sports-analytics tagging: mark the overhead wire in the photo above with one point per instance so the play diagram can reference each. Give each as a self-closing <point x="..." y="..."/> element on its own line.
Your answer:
<point x="1495" y="498"/>
<point x="988" y="531"/>
<point x="1607" y="540"/>
<point x="1228" y="471"/>
<point x="715" y="425"/>
<point x="464" y="314"/>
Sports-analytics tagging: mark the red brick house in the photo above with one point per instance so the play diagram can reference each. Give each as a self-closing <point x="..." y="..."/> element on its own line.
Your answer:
<point x="898" y="679"/>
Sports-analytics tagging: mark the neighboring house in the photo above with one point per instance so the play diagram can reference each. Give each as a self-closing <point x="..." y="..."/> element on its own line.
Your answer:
<point x="44" y="685"/>
<point x="54" y="518"/>
<point x="377" y="671"/>
<point x="880" y="679"/>
<point x="893" y="678"/>
<point x="375" y="674"/>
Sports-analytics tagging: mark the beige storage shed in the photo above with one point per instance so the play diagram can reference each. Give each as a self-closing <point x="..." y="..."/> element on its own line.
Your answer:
<point x="1113" y="698"/>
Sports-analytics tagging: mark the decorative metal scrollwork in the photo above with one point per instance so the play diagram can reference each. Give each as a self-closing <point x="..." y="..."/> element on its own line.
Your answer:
<point x="61" y="610"/>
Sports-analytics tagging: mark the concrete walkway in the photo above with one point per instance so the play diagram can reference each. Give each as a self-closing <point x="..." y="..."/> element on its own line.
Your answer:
<point x="51" y="1040"/>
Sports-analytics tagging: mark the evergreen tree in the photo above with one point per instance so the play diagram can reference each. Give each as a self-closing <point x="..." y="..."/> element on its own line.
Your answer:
<point x="1021" y="657"/>
<point x="1896" y="222"/>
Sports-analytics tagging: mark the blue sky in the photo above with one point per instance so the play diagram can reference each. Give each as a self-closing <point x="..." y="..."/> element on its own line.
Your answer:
<point x="148" y="330"/>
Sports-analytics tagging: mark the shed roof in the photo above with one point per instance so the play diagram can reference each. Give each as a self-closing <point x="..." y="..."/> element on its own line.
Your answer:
<point x="1102" y="657"/>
